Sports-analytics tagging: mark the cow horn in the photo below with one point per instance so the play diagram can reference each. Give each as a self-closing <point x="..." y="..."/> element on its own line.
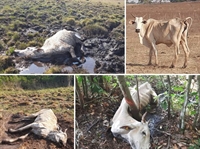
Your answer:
<point x="143" y="117"/>
<point x="66" y="131"/>
<point x="133" y="15"/>
<point x="144" y="16"/>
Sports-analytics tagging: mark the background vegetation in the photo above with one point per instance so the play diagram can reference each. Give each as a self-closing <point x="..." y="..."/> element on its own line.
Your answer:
<point x="34" y="82"/>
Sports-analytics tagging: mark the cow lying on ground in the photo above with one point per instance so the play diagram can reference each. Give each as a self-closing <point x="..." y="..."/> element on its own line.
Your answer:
<point x="45" y="125"/>
<point x="136" y="133"/>
<point x="62" y="42"/>
<point x="173" y="32"/>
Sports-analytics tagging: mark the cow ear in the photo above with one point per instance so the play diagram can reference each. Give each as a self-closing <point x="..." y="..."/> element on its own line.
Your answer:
<point x="126" y="127"/>
<point x="144" y="21"/>
<point x="131" y="22"/>
<point x="143" y="117"/>
<point x="39" y="50"/>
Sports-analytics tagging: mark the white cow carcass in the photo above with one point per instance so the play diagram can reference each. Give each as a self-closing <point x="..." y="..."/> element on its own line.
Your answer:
<point x="45" y="125"/>
<point x="60" y="43"/>
<point x="136" y="133"/>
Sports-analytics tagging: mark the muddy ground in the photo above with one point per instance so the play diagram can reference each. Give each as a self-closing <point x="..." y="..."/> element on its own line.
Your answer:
<point x="19" y="103"/>
<point x="137" y="54"/>
<point x="103" y="33"/>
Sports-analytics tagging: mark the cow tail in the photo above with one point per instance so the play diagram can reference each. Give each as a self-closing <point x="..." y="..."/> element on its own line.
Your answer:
<point x="190" y="23"/>
<point x="187" y="24"/>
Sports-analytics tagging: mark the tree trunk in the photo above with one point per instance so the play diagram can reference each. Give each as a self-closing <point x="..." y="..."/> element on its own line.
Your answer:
<point x="169" y="97"/>
<point x="85" y="87"/>
<point x="138" y="94"/>
<point x="182" y="114"/>
<point x="197" y="116"/>
<point x="80" y="96"/>
<point x="126" y="92"/>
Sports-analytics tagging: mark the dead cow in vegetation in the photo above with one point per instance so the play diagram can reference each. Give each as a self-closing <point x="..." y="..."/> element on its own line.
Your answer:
<point x="173" y="32"/>
<point x="60" y="43"/>
<point x="136" y="133"/>
<point x="45" y="125"/>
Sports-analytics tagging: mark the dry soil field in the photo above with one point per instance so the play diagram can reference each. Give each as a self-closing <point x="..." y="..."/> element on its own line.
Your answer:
<point x="137" y="54"/>
<point x="17" y="103"/>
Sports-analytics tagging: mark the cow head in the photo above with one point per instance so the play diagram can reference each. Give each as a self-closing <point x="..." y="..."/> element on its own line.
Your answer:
<point x="137" y="134"/>
<point x="59" y="137"/>
<point x="30" y="52"/>
<point x="139" y="21"/>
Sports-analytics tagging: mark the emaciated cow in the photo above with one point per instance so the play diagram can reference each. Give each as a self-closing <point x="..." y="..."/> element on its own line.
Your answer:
<point x="136" y="133"/>
<point x="60" y="43"/>
<point x="173" y="32"/>
<point x="45" y="125"/>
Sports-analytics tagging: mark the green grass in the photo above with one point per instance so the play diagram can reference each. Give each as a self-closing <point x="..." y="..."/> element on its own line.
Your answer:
<point x="93" y="17"/>
<point x="95" y="30"/>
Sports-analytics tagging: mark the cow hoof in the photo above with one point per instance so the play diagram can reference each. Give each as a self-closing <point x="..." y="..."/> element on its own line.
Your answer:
<point x="149" y="64"/>
<point x="10" y="130"/>
<point x="184" y="66"/>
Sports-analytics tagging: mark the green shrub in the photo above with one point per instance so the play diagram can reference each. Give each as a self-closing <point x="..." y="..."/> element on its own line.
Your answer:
<point x="95" y="30"/>
<point x="33" y="44"/>
<point x="51" y="19"/>
<point x="16" y="25"/>
<point x="30" y="16"/>
<point x="32" y="35"/>
<point x="69" y="21"/>
<point x="40" y="40"/>
<point x="11" y="43"/>
<point x="5" y="62"/>
<point x="16" y="36"/>
<point x="55" y="69"/>
<point x="87" y="21"/>
<point x="2" y="46"/>
<point x="7" y="9"/>
<point x="21" y="45"/>
<point x="195" y="146"/>
<point x="117" y="35"/>
<point x="11" y="70"/>
<point x="110" y="23"/>
<point x="10" y="51"/>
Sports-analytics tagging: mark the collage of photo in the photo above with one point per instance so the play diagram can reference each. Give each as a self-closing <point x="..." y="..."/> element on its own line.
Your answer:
<point x="94" y="74"/>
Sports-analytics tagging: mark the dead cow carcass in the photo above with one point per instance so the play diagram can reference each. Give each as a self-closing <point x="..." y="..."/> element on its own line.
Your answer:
<point x="136" y="133"/>
<point x="173" y="32"/>
<point x="45" y="125"/>
<point x="62" y="42"/>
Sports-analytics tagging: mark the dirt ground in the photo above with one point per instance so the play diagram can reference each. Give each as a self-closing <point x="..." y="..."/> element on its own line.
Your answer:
<point x="20" y="103"/>
<point x="137" y="54"/>
<point x="91" y="121"/>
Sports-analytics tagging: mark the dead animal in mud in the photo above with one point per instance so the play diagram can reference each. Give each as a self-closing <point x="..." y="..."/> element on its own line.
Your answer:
<point x="45" y="125"/>
<point x="173" y="32"/>
<point x="136" y="133"/>
<point x="62" y="42"/>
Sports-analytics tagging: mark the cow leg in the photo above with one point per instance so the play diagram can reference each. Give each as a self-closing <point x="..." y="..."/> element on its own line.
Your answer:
<point x="155" y="53"/>
<point x="72" y="52"/>
<point x="21" y="129"/>
<point x="185" y="49"/>
<point x="150" y="56"/>
<point x="176" y="50"/>
<point x="16" y="139"/>
<point x="32" y="116"/>
<point x="74" y="58"/>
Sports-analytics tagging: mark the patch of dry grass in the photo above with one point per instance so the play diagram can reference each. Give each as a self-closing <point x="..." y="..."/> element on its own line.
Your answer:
<point x="31" y="101"/>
